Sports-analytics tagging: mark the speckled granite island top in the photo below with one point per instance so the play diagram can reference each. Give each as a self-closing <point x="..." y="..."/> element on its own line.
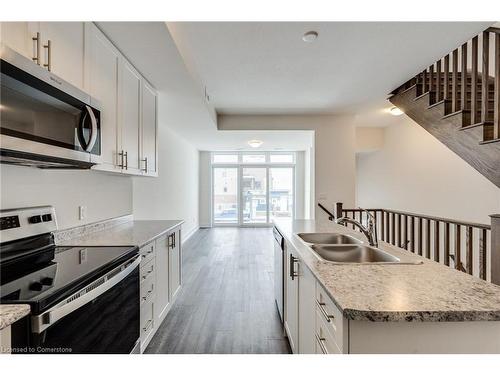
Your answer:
<point x="10" y="314"/>
<point x="131" y="233"/>
<point x="428" y="292"/>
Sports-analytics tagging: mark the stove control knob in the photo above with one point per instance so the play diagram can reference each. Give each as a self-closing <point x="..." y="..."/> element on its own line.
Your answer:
<point x="35" y="219"/>
<point x="36" y="286"/>
<point x="47" y="281"/>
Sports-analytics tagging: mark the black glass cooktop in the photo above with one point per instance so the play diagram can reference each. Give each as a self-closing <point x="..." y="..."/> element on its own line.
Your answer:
<point x="44" y="276"/>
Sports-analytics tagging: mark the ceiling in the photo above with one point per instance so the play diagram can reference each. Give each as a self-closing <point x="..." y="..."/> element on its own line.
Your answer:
<point x="151" y="49"/>
<point x="266" y="68"/>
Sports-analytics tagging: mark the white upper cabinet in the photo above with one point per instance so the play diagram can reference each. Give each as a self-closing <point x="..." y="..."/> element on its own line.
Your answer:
<point x="129" y="84"/>
<point x="82" y="55"/>
<point x="62" y="50"/>
<point x="101" y="82"/>
<point x="57" y="46"/>
<point x="20" y="37"/>
<point x="149" y="149"/>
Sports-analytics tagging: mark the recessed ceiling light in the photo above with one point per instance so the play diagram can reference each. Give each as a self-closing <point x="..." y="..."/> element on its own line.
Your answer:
<point x="395" y="111"/>
<point x="310" y="36"/>
<point x="255" y="143"/>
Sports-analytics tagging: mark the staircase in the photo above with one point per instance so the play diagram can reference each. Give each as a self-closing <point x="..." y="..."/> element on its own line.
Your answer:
<point x="457" y="100"/>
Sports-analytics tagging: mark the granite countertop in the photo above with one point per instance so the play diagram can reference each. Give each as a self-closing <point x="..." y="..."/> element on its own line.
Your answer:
<point x="131" y="233"/>
<point x="12" y="313"/>
<point x="395" y="292"/>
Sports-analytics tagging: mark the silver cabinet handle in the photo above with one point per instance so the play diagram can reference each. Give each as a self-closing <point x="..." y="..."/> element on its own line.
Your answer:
<point x="126" y="160"/>
<point x="145" y="160"/>
<point x="293" y="260"/>
<point x="147" y="295"/>
<point x="145" y="329"/>
<point x="321" y="344"/>
<point x="48" y="47"/>
<point x="321" y="306"/>
<point x="121" y="154"/>
<point x="36" y="48"/>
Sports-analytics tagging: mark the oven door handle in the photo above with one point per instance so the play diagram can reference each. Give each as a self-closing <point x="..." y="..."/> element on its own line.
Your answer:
<point x="40" y="323"/>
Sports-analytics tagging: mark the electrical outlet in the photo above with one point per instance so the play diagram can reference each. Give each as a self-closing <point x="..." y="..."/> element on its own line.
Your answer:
<point x="82" y="212"/>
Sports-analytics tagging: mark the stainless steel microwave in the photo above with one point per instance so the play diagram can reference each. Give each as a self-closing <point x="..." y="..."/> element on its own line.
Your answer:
<point x="44" y="121"/>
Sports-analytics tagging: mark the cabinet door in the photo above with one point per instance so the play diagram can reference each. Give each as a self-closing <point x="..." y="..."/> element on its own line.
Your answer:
<point x="129" y="108"/>
<point x="19" y="36"/>
<point x="101" y="81"/>
<point x="149" y="133"/>
<point x="162" y="279"/>
<point x="66" y="49"/>
<point x="307" y="310"/>
<point x="292" y="299"/>
<point x="174" y="263"/>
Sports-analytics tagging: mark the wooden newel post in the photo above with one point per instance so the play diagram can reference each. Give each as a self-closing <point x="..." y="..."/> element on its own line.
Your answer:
<point x="495" y="249"/>
<point x="338" y="210"/>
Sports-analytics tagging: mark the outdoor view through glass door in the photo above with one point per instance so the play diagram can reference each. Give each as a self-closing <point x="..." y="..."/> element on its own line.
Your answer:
<point x="254" y="195"/>
<point x="252" y="188"/>
<point x="281" y="197"/>
<point x="225" y="194"/>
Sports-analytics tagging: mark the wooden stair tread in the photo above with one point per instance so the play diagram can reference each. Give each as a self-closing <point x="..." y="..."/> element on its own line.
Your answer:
<point x="476" y="125"/>
<point x="489" y="141"/>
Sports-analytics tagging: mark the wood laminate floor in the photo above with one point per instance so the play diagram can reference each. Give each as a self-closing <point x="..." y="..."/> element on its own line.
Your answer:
<point x="226" y="304"/>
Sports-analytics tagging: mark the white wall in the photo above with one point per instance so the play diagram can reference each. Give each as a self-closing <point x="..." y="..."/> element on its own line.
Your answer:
<point x="174" y="193"/>
<point x="334" y="145"/>
<point x="205" y="191"/>
<point x="415" y="172"/>
<point x="105" y="195"/>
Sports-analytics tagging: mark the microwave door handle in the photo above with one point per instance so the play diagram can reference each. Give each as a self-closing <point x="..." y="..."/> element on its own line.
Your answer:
<point x="93" y="134"/>
<point x="43" y="321"/>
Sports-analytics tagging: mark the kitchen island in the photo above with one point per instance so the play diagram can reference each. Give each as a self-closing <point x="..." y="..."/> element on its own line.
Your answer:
<point x="417" y="306"/>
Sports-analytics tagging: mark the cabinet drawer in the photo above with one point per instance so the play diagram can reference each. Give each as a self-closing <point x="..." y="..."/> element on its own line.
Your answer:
<point x="147" y="289"/>
<point x="147" y="321"/>
<point x="325" y="342"/>
<point x="329" y="314"/>
<point x="147" y="270"/>
<point x="147" y="252"/>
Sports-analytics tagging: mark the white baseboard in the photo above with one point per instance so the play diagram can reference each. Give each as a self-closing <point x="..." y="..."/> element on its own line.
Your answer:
<point x="186" y="236"/>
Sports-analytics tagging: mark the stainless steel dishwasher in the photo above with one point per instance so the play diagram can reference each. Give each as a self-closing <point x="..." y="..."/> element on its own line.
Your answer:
<point x="278" y="270"/>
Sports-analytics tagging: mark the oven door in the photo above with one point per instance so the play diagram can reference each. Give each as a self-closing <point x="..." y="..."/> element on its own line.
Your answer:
<point x="101" y="318"/>
<point x="43" y="115"/>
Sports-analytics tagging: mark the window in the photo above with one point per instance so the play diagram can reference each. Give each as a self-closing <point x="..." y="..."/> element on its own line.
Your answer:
<point x="254" y="158"/>
<point x="282" y="158"/>
<point x="225" y="158"/>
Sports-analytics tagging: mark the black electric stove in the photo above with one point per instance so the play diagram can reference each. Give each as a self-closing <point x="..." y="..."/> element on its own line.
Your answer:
<point x="83" y="299"/>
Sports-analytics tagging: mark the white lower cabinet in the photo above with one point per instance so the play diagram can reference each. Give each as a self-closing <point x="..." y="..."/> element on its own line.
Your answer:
<point x="307" y="287"/>
<point x="314" y="324"/>
<point x="160" y="281"/>
<point x="174" y="264"/>
<point x="291" y="282"/>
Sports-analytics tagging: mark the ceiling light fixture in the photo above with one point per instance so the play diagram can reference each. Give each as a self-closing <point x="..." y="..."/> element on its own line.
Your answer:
<point x="395" y="111"/>
<point x="255" y="143"/>
<point x="310" y="36"/>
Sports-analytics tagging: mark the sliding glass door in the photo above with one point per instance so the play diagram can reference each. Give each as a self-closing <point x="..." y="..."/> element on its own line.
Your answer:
<point x="225" y="195"/>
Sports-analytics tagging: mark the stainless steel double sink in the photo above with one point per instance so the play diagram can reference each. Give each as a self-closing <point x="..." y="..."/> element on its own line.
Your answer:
<point x="342" y="248"/>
